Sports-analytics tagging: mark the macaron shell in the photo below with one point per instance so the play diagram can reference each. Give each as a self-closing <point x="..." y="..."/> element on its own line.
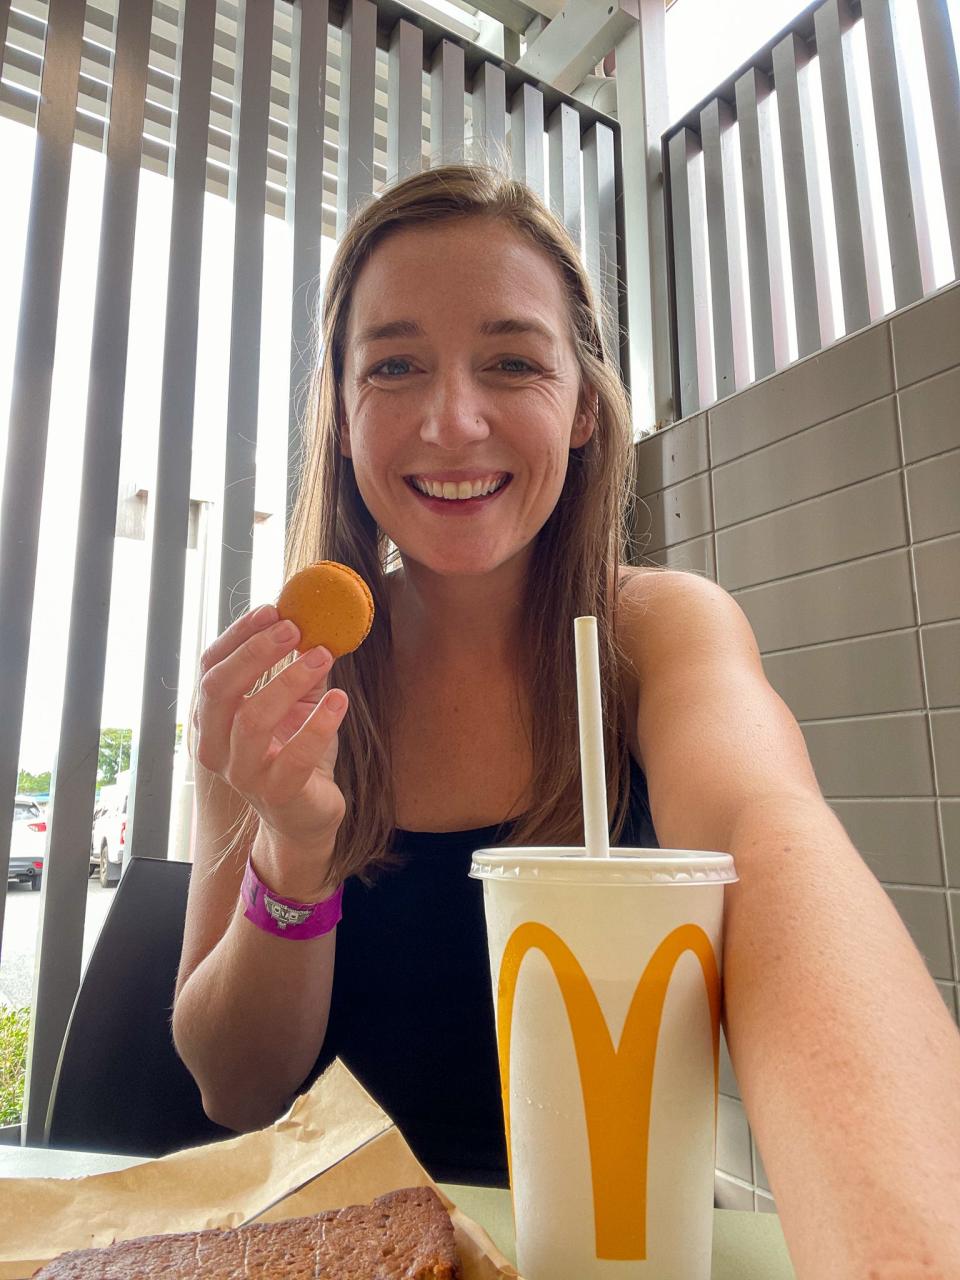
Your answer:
<point x="330" y="604"/>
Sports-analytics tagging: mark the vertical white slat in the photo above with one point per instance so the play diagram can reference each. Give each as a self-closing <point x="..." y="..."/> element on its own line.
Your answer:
<point x="902" y="198"/>
<point x="304" y="207"/>
<point x="716" y="120"/>
<point x="489" y="103"/>
<point x="789" y="57"/>
<point x="526" y="135"/>
<point x="856" y="238"/>
<point x="682" y="148"/>
<point x="30" y="399"/>
<point x="74" y="780"/>
<point x="768" y="307"/>
<point x="799" y="56"/>
<point x="248" y="176"/>
<point x="940" y="55"/>
<point x="564" y="139"/>
<point x="600" y="232"/>
<point x="706" y="376"/>
<point x="4" y="21"/>
<point x="447" y="104"/>
<point x="148" y="811"/>
<point x="358" y="67"/>
<point x="404" y="101"/>
<point x="733" y="216"/>
<point x="642" y="107"/>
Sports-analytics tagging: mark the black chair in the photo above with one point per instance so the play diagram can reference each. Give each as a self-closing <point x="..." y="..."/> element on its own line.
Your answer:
<point x="119" y="1085"/>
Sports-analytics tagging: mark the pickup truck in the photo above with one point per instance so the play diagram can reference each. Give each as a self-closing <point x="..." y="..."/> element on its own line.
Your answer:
<point x="109" y="831"/>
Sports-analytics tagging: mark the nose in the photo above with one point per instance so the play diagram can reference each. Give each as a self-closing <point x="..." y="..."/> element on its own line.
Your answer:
<point x="454" y="411"/>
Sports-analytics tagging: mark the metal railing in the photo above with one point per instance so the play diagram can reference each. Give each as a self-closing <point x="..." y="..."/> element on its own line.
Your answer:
<point x="299" y="109"/>
<point x="782" y="239"/>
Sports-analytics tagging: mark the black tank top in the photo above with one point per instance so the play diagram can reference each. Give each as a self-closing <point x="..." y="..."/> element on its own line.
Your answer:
<point x="411" y="1014"/>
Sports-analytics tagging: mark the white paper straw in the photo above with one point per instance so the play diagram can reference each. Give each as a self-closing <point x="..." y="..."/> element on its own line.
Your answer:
<point x="589" y="706"/>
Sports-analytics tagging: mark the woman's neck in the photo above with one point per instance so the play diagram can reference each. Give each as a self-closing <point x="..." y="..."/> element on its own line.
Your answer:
<point x="451" y="623"/>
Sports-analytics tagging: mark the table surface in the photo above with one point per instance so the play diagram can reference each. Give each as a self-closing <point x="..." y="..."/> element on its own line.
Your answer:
<point x="746" y="1246"/>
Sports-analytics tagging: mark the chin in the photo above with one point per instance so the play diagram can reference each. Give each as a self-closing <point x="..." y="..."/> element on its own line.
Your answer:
<point x="465" y="563"/>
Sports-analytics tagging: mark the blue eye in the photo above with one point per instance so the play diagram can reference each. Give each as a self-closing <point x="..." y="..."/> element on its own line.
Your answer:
<point x="388" y="367"/>
<point x="515" y="360"/>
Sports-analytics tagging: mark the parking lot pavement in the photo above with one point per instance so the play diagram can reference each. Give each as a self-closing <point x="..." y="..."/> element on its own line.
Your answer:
<point x="20" y="937"/>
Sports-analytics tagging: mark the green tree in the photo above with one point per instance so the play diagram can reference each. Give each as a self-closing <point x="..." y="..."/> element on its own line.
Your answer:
<point x="33" y="784"/>
<point x="114" y="754"/>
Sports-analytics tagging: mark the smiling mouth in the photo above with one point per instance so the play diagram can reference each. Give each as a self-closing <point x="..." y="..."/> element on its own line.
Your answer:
<point x="453" y="494"/>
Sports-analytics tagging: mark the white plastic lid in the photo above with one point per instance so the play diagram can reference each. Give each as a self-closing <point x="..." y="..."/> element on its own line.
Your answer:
<point x="624" y="866"/>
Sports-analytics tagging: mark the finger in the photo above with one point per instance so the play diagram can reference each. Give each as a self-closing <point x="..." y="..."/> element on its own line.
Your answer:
<point x="292" y="766"/>
<point x="245" y="627"/>
<point x="258" y="717"/>
<point x="223" y="687"/>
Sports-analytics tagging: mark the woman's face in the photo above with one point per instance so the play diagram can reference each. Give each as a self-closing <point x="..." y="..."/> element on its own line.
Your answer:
<point x="459" y="371"/>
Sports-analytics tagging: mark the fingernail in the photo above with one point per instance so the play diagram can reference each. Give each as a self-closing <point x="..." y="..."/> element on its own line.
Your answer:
<point x="317" y="657"/>
<point x="336" y="701"/>
<point x="283" y="632"/>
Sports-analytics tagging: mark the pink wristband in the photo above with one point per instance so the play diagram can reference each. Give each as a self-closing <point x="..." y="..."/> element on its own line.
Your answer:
<point x="284" y="918"/>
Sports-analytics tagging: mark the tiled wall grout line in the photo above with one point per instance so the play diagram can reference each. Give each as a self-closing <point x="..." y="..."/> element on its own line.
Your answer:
<point x="916" y="888"/>
<point x="708" y="428"/>
<point x="808" y="573"/>
<point x="866" y="715"/>
<point x="791" y="435"/>
<point x="784" y="577"/>
<point x="928" y="718"/>
<point x="802" y="502"/>
<point x="750" y="453"/>
<point x="823" y="644"/>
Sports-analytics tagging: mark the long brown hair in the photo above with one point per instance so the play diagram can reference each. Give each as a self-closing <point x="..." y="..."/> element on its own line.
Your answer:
<point x="576" y="556"/>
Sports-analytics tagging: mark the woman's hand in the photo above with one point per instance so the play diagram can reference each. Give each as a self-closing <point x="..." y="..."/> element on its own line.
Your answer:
<point x="276" y="747"/>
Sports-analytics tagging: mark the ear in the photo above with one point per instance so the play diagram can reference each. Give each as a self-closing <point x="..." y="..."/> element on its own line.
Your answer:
<point x="585" y="422"/>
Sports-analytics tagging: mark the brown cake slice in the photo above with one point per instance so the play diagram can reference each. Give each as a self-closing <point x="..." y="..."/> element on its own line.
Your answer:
<point x="405" y="1235"/>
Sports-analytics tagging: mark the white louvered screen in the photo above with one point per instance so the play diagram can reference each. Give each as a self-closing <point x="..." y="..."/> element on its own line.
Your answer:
<point x="837" y="204"/>
<point x="232" y="141"/>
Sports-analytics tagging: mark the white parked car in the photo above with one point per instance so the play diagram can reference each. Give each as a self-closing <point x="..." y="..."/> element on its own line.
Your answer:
<point x="28" y="843"/>
<point x="109" y="831"/>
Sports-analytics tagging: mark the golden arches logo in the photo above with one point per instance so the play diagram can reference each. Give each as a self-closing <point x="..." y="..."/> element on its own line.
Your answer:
<point x="617" y="1083"/>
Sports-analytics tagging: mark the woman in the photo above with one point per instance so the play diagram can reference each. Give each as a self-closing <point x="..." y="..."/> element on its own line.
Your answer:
<point x="460" y="348"/>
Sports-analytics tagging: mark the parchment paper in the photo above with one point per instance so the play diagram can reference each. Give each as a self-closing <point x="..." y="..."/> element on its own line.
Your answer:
<point x="334" y="1147"/>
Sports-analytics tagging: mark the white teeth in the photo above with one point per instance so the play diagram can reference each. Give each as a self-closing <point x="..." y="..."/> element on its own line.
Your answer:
<point x="458" y="492"/>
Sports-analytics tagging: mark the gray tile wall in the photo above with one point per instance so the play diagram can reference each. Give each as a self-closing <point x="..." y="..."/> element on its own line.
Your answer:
<point x="826" y="499"/>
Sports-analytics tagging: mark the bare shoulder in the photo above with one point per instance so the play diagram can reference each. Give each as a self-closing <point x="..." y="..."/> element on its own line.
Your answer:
<point x="666" y="615"/>
<point x="714" y="736"/>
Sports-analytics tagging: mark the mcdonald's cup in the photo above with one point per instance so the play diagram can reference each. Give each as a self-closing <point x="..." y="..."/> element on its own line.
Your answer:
<point x="606" y="981"/>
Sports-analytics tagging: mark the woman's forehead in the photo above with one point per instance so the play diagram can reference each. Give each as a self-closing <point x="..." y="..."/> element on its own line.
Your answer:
<point x="462" y="263"/>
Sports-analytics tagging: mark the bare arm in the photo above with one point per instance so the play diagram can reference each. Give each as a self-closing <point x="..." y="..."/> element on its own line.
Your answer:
<point x="251" y="1008"/>
<point x="847" y="1060"/>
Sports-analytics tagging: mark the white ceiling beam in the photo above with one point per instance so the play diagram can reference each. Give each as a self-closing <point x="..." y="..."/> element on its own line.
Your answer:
<point x="516" y="15"/>
<point x="579" y="37"/>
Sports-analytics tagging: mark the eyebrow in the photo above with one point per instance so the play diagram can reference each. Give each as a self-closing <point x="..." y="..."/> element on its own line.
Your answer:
<point x="489" y="328"/>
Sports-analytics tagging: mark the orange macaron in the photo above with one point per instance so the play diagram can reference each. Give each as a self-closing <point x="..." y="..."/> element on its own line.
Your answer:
<point x="330" y="604"/>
